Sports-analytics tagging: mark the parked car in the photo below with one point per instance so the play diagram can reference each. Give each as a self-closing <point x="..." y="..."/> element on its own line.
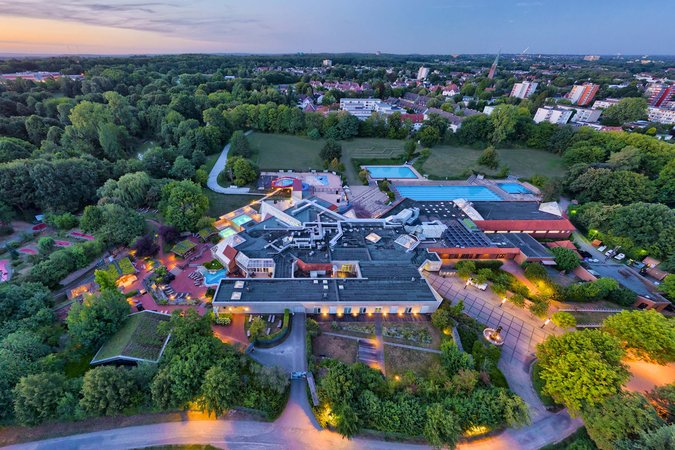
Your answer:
<point x="594" y="273"/>
<point x="298" y="375"/>
<point x="602" y="249"/>
<point x="609" y="253"/>
<point x="620" y="256"/>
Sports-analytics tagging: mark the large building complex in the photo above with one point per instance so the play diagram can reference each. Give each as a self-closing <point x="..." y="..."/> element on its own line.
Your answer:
<point x="524" y="89"/>
<point x="583" y="94"/>
<point x="422" y="73"/>
<point x="557" y="116"/>
<point x="363" y="108"/>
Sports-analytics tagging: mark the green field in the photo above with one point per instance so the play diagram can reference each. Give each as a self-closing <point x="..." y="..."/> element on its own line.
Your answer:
<point x="458" y="162"/>
<point x="279" y="151"/>
<point x="220" y="204"/>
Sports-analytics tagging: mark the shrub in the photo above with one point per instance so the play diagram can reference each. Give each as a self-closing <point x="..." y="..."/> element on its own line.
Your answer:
<point x="564" y="319"/>
<point x="539" y="309"/>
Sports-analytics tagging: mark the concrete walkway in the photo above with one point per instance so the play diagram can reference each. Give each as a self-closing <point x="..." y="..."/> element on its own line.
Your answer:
<point x="218" y="167"/>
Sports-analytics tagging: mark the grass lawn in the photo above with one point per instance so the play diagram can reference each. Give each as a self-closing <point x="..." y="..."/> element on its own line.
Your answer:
<point x="398" y="360"/>
<point x="457" y="162"/>
<point x="342" y="349"/>
<point x="589" y="317"/>
<point x="220" y="204"/>
<point x="280" y="151"/>
<point x="371" y="149"/>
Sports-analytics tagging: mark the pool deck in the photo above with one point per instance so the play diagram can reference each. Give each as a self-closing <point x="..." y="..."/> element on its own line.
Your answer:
<point x="332" y="191"/>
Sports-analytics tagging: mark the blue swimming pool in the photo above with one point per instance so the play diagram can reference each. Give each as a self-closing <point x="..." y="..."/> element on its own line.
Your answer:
<point x="437" y="193"/>
<point x="226" y="232"/>
<point x="514" y="188"/>
<point x="240" y="220"/>
<point x="213" y="279"/>
<point x="390" y="172"/>
<point x="322" y="179"/>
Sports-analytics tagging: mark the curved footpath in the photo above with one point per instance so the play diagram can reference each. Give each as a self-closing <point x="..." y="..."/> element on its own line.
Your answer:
<point x="212" y="181"/>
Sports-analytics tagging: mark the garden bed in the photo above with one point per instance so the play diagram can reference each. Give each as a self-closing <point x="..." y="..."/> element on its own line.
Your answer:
<point x="421" y="334"/>
<point x="342" y="349"/>
<point x="399" y="360"/>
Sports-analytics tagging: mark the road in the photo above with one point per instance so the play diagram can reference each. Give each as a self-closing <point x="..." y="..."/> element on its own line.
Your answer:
<point x="297" y="428"/>
<point x="218" y="167"/>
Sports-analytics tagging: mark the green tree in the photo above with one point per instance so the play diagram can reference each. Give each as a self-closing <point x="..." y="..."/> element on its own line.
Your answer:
<point x="183" y="204"/>
<point x="257" y="327"/>
<point x="565" y="258"/>
<point x="107" y="391"/>
<point x="453" y="359"/>
<point x="105" y="280"/>
<point x="220" y="390"/>
<point x="97" y="318"/>
<point x="572" y="365"/>
<point x="182" y="168"/>
<point x="620" y="417"/>
<point x="441" y="319"/>
<point x="347" y="423"/>
<point x="36" y="397"/>
<point x="668" y="287"/>
<point x="45" y="244"/>
<point x="429" y="136"/>
<point x="441" y="427"/>
<point x="239" y="145"/>
<point x="489" y="158"/>
<point x="244" y="172"/>
<point x="113" y="224"/>
<point x="331" y="150"/>
<point x="648" y="225"/>
<point x="539" y="308"/>
<point x="564" y="319"/>
<point x="465" y="269"/>
<point x="627" y="110"/>
<point x="130" y="190"/>
<point x="647" y="334"/>
<point x="409" y="147"/>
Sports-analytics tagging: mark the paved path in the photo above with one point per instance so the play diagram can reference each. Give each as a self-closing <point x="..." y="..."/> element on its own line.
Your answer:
<point x="218" y="167"/>
<point x="521" y="331"/>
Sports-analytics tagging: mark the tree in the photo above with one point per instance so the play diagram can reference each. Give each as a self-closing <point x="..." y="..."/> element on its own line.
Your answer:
<point x="182" y="168"/>
<point x="347" y="423"/>
<point x="539" y="308"/>
<point x="145" y="246"/>
<point x="504" y="119"/>
<point x="620" y="417"/>
<point x="244" y="172"/>
<point x="64" y="221"/>
<point x="105" y="280"/>
<point x="257" y="327"/>
<point x="331" y="150"/>
<point x="36" y="397"/>
<point x="465" y="269"/>
<point x="489" y="158"/>
<point x="183" y="204"/>
<point x="219" y="390"/>
<point x="441" y="427"/>
<point x="668" y="286"/>
<point x="113" y="224"/>
<point x="572" y="365"/>
<point x="97" y="318"/>
<point x="648" y="225"/>
<point x="565" y="258"/>
<point x="453" y="359"/>
<point x="107" y="390"/>
<point x="45" y="244"/>
<point x="440" y="318"/>
<point x="612" y="187"/>
<point x="13" y="148"/>
<point x="239" y="145"/>
<point x="646" y="334"/>
<point x="429" y="136"/>
<point x="627" y="110"/>
<point x="409" y="147"/>
<point x="564" y="319"/>
<point x="628" y="158"/>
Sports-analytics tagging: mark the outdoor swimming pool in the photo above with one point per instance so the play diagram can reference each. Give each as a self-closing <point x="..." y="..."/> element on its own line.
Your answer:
<point x="514" y="188"/>
<point x="437" y="193"/>
<point x="390" y="172"/>
<point x="226" y="232"/>
<point x="240" y="220"/>
<point x="322" y="180"/>
<point x="213" y="279"/>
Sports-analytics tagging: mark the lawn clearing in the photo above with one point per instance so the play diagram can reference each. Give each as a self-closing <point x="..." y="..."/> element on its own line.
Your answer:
<point x="138" y="339"/>
<point x="342" y="349"/>
<point x="221" y="204"/>
<point x="590" y="317"/>
<point x="369" y="151"/>
<point x="458" y="162"/>
<point x="280" y="151"/>
<point x="399" y="360"/>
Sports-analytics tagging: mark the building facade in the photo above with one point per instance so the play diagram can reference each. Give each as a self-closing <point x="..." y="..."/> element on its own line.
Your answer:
<point x="557" y="116"/>
<point x="524" y="89"/>
<point x="583" y="94"/>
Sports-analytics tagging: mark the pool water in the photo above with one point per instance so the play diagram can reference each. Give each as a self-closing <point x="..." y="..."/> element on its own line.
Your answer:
<point x="284" y="182"/>
<point x="437" y="193"/>
<point x="226" y="232"/>
<point x="322" y="180"/>
<point x="240" y="220"/>
<point x="514" y="188"/>
<point x="213" y="279"/>
<point x="390" y="172"/>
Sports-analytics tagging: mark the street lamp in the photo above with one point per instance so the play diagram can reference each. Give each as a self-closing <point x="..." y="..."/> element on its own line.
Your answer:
<point x="503" y="301"/>
<point x="546" y="322"/>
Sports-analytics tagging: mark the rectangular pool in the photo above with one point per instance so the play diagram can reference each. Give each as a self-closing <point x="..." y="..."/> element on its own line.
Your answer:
<point x="438" y="193"/>
<point x="227" y="232"/>
<point x="240" y="220"/>
<point x="390" y="172"/>
<point x="514" y="188"/>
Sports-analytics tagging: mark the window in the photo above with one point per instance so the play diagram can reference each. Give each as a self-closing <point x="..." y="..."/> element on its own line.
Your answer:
<point x="378" y="310"/>
<point x="317" y="310"/>
<point x="362" y="310"/>
<point x="347" y="310"/>
<point x="408" y="310"/>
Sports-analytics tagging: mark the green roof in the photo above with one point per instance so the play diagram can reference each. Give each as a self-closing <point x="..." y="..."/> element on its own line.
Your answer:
<point x="183" y="247"/>
<point x="204" y="233"/>
<point x="138" y="340"/>
<point x="126" y="267"/>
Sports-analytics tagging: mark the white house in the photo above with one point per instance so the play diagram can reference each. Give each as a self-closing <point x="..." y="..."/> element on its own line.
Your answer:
<point x="553" y="115"/>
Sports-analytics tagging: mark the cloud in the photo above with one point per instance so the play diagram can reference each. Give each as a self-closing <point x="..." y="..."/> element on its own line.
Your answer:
<point x="213" y="22"/>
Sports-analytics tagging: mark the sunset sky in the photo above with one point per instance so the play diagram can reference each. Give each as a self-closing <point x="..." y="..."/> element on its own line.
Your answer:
<point x="391" y="26"/>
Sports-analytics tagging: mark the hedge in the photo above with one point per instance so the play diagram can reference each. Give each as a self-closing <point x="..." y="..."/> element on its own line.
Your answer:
<point x="278" y="337"/>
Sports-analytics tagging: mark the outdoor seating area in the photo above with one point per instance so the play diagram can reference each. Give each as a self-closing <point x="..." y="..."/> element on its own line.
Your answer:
<point x="197" y="277"/>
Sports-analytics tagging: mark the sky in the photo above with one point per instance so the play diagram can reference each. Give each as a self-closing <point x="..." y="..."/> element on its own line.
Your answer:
<point x="320" y="26"/>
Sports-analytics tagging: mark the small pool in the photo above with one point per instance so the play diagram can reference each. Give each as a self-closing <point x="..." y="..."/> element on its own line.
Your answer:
<point x="514" y="188"/>
<point x="322" y="180"/>
<point x="213" y="279"/>
<point x="390" y="172"/>
<point x="284" y="182"/>
<point x="438" y="193"/>
<point x="240" y="220"/>
<point x="227" y="232"/>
